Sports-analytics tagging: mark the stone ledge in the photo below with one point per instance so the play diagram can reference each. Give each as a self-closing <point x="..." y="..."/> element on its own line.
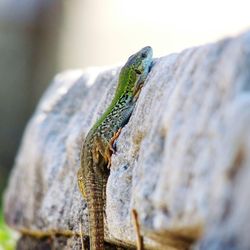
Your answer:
<point x="183" y="160"/>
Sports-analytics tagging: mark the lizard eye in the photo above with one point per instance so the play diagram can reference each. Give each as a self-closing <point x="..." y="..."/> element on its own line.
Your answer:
<point x="138" y="71"/>
<point x="143" y="55"/>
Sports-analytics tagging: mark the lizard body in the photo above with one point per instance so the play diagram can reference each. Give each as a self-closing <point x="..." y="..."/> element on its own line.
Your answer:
<point x="97" y="148"/>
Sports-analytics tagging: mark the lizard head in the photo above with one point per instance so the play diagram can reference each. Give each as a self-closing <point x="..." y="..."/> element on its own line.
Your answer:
<point x="136" y="69"/>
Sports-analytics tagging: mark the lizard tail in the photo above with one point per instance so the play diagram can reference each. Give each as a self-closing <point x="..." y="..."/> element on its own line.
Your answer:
<point x="95" y="204"/>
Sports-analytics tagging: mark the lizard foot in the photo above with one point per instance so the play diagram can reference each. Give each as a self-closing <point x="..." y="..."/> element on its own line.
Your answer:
<point x="112" y="146"/>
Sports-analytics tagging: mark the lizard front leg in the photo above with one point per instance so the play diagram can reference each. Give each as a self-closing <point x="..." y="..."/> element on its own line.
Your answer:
<point x="113" y="139"/>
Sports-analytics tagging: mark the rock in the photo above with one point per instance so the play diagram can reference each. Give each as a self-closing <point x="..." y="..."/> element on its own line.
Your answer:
<point x="182" y="161"/>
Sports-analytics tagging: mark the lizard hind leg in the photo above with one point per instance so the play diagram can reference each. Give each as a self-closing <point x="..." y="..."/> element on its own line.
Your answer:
<point x="105" y="148"/>
<point x="102" y="151"/>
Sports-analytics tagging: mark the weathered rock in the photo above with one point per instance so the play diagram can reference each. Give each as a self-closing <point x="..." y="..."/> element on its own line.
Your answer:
<point x="183" y="160"/>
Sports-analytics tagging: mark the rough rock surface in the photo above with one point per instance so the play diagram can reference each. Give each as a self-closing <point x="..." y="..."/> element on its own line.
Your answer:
<point x="183" y="160"/>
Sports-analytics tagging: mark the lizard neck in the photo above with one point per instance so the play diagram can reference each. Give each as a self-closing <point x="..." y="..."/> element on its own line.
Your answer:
<point x="123" y="96"/>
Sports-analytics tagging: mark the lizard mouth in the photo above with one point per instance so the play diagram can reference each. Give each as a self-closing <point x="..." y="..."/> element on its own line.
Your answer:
<point x="141" y="80"/>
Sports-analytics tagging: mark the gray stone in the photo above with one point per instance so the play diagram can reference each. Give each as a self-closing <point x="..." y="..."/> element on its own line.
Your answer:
<point x="182" y="161"/>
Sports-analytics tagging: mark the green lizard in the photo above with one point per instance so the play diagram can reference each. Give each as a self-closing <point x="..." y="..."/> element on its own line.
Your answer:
<point x="98" y="146"/>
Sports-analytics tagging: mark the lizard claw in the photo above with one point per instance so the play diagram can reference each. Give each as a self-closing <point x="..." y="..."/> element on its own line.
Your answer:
<point x="109" y="163"/>
<point x="113" y="147"/>
<point x="112" y="144"/>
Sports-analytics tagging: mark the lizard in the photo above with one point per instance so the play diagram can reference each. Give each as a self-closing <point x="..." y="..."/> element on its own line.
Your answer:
<point x="98" y="145"/>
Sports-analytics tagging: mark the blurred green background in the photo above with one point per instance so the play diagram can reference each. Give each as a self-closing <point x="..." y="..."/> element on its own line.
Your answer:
<point x="41" y="38"/>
